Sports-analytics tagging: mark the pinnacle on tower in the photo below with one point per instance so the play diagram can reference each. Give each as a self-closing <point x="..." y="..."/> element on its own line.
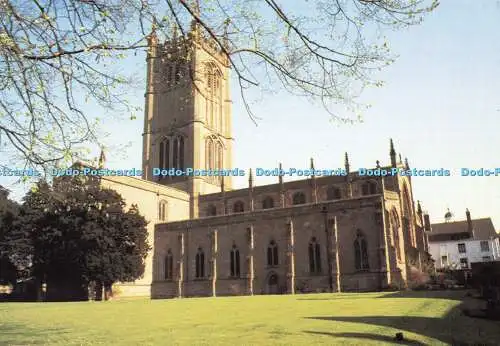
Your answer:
<point x="392" y="154"/>
<point x="250" y="179"/>
<point x="346" y="163"/>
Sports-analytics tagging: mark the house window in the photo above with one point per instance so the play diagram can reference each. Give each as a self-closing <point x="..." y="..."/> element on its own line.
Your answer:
<point x="485" y="246"/>
<point x="299" y="198"/>
<point x="486" y="258"/>
<point x="272" y="254"/>
<point x="162" y="211"/>
<point x="314" y="257"/>
<point x="267" y="203"/>
<point x="235" y="262"/>
<point x="461" y="248"/>
<point x="200" y="264"/>
<point x="169" y="266"/>
<point x="238" y="207"/>
<point x="444" y="261"/>
<point x="360" y="252"/>
<point x="464" y="263"/>
<point x="333" y="193"/>
<point x="211" y="210"/>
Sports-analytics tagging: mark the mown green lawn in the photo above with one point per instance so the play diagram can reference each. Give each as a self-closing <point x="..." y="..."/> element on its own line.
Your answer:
<point x="425" y="318"/>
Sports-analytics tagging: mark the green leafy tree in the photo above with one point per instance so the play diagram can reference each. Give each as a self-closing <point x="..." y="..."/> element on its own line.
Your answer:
<point x="60" y="60"/>
<point x="78" y="233"/>
<point x="8" y="213"/>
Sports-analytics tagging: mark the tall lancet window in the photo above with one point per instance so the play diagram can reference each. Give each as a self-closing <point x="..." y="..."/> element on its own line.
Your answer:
<point x="166" y="162"/>
<point x="210" y="153"/>
<point x="175" y="154"/>
<point x="235" y="262"/>
<point x="180" y="157"/>
<point x="213" y="77"/>
<point x="314" y="257"/>
<point x="161" y="162"/>
<point x="360" y="252"/>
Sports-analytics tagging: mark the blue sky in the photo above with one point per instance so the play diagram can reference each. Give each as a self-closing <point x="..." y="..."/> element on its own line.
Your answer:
<point x="440" y="104"/>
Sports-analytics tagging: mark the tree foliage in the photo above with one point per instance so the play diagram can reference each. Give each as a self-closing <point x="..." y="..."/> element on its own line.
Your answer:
<point x="75" y="232"/>
<point x="8" y="213"/>
<point x="56" y="57"/>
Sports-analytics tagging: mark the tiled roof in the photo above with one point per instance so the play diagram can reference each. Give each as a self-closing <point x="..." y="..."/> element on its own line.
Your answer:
<point x="483" y="228"/>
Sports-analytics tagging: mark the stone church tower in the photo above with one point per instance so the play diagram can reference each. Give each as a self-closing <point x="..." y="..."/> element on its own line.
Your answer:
<point x="187" y="121"/>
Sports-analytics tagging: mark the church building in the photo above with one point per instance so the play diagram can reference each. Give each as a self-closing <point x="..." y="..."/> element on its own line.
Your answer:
<point x="322" y="234"/>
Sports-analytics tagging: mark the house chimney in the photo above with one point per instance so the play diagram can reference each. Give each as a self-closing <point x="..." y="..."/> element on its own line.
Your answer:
<point x="469" y="222"/>
<point x="427" y="223"/>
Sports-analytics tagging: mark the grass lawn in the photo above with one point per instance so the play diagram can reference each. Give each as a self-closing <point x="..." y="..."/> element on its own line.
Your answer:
<point x="425" y="318"/>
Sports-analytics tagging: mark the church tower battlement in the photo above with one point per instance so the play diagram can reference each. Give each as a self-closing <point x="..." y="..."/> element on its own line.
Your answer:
<point x="187" y="113"/>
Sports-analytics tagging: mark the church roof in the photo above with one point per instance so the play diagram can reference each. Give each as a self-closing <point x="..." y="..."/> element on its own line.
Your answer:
<point x="483" y="229"/>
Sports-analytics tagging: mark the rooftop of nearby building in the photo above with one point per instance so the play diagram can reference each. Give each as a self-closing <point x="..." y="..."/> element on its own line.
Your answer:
<point x="483" y="229"/>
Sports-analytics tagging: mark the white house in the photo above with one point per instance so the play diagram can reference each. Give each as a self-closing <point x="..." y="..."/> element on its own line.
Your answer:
<point x="458" y="244"/>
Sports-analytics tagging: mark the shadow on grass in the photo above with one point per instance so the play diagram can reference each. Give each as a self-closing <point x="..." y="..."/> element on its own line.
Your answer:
<point x="369" y="336"/>
<point x="21" y="334"/>
<point x="454" y="328"/>
<point x="450" y="295"/>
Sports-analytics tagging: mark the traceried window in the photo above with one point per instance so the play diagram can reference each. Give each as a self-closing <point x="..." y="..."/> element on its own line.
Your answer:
<point x="213" y="90"/>
<point x="360" y="252"/>
<point x="200" y="264"/>
<point x="214" y="154"/>
<point x="272" y="254"/>
<point x="314" y="256"/>
<point x="235" y="262"/>
<point x="238" y="207"/>
<point x="299" y="198"/>
<point x="267" y="203"/>
<point x="169" y="265"/>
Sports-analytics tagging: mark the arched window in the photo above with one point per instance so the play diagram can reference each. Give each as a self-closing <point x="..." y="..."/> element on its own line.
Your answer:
<point x="181" y="152"/>
<point x="299" y="198"/>
<point x="219" y="156"/>
<point x="360" y="252"/>
<point x="162" y="211"/>
<point x="238" y="207"/>
<point x="213" y="77"/>
<point x="211" y="210"/>
<point x="166" y="161"/>
<point x="314" y="256"/>
<point x="395" y="232"/>
<point x="333" y="193"/>
<point x="369" y="188"/>
<point x="235" y="262"/>
<point x="272" y="254"/>
<point x="200" y="263"/>
<point x="210" y="159"/>
<point x="268" y="203"/>
<point x="175" y="154"/>
<point x="161" y="163"/>
<point x="169" y="265"/>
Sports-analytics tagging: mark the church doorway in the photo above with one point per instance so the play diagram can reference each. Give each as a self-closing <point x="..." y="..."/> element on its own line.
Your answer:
<point x="272" y="284"/>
